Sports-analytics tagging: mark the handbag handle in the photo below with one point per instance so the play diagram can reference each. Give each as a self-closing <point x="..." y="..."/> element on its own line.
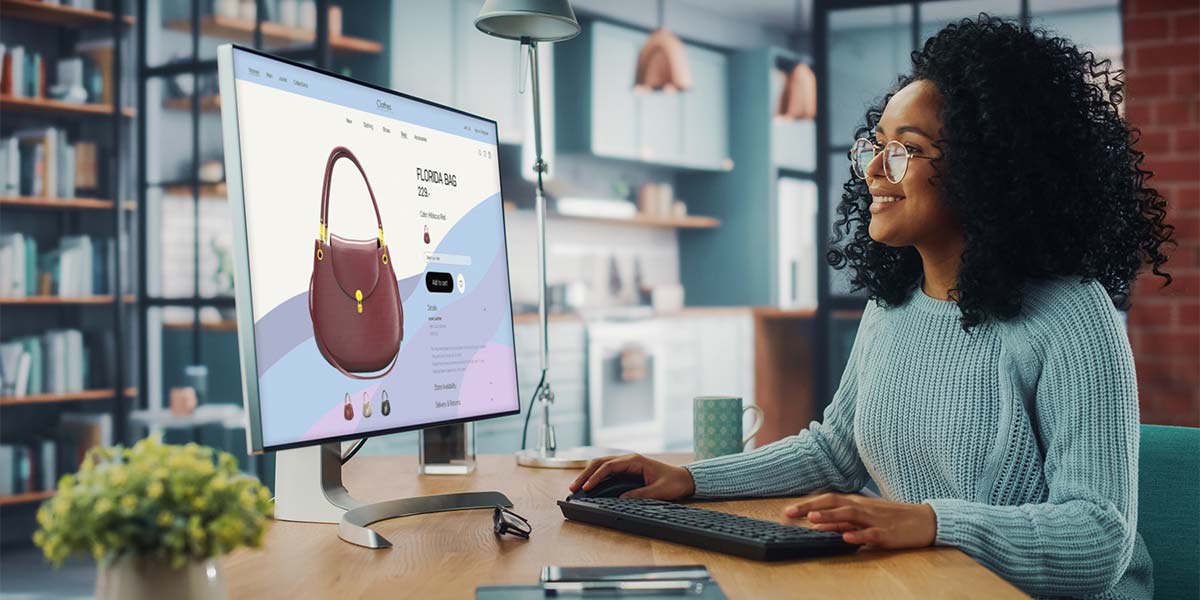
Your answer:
<point x="339" y="153"/>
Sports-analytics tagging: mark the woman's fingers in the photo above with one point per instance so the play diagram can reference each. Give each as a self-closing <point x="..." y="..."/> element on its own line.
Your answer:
<point x="838" y="527"/>
<point x="870" y="535"/>
<point x="851" y="513"/>
<point x="587" y="472"/>
<point x="821" y="502"/>
<point x="623" y="464"/>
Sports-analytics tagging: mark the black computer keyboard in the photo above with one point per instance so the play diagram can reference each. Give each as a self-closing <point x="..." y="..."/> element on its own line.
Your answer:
<point x="708" y="529"/>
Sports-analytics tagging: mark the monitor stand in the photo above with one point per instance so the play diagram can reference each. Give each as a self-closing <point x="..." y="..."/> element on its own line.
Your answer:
<point x="308" y="488"/>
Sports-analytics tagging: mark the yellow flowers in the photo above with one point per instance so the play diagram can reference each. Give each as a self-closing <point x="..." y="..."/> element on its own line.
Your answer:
<point x="172" y="503"/>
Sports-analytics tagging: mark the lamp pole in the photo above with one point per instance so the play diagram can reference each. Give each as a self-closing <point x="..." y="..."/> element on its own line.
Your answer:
<point x="530" y="22"/>
<point x="546" y="443"/>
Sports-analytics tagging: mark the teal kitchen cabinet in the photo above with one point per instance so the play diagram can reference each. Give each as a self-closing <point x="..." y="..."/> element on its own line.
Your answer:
<point x="601" y="114"/>
<point x="487" y="74"/>
<point x="439" y="55"/>
<point x="705" y="122"/>
<point x="613" y="124"/>
<point x="423" y="35"/>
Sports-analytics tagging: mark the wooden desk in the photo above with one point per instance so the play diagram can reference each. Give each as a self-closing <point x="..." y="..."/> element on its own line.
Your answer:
<point x="447" y="555"/>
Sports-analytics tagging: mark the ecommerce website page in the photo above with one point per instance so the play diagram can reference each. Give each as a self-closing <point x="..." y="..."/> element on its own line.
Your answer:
<point x="378" y="268"/>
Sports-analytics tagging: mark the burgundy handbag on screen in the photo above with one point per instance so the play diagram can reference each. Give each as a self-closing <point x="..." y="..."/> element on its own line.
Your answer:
<point x="357" y="318"/>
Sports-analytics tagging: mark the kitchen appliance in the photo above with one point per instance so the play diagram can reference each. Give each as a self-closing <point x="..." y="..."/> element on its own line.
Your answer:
<point x="627" y="385"/>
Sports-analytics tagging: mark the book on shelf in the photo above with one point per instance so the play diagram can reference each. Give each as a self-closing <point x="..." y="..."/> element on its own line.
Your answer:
<point x="78" y="78"/>
<point x="59" y="361"/>
<point x="27" y="467"/>
<point x="43" y="163"/>
<point x="79" y="266"/>
<point x="84" y="431"/>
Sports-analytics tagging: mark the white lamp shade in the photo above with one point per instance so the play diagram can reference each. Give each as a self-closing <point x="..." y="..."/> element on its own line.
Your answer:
<point x="535" y="20"/>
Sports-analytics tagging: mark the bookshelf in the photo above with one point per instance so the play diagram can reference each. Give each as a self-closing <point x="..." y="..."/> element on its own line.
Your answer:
<point x="273" y="34"/>
<point x="25" y="498"/>
<point x="208" y="104"/>
<point x="78" y="209"/>
<point x="185" y="318"/>
<point x="38" y="11"/>
<point x="69" y="397"/>
<point x="65" y="300"/>
<point x="42" y="202"/>
<point x="10" y="103"/>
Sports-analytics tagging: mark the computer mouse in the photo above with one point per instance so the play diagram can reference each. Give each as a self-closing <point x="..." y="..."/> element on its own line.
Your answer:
<point x="611" y="487"/>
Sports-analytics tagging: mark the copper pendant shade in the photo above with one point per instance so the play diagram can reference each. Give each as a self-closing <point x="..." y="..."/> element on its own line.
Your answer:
<point x="799" y="97"/>
<point x="662" y="64"/>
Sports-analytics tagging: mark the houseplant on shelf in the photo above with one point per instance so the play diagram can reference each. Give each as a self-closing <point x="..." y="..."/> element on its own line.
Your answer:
<point x="156" y="517"/>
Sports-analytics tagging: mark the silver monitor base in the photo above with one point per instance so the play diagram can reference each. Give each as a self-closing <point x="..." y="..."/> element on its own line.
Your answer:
<point x="354" y="525"/>
<point x="571" y="458"/>
<point x="308" y="488"/>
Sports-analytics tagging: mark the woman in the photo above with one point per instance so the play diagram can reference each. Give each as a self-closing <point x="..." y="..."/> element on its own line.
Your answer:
<point x="996" y="215"/>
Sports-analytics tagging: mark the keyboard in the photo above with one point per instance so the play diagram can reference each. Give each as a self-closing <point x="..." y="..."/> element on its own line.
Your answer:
<point x="708" y="529"/>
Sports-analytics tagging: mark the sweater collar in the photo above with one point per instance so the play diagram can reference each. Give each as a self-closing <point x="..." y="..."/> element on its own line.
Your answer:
<point x="932" y="305"/>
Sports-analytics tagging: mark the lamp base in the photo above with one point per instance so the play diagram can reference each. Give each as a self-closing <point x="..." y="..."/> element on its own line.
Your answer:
<point x="571" y="458"/>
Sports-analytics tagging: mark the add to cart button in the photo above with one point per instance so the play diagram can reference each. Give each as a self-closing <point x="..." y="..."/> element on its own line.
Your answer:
<point x="439" y="283"/>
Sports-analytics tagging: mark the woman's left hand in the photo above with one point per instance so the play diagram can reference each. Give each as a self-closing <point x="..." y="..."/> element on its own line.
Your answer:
<point x="864" y="520"/>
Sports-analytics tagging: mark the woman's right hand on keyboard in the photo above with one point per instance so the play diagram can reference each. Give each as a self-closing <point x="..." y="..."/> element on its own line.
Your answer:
<point x="663" y="481"/>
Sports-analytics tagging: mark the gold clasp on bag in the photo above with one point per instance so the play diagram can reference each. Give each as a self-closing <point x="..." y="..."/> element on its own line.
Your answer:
<point x="358" y="296"/>
<point x="380" y="237"/>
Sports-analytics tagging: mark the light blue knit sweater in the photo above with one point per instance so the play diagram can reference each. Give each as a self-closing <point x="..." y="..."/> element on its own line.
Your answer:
<point x="936" y="415"/>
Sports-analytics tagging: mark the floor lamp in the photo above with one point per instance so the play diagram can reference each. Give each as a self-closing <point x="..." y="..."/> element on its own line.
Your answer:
<point x="530" y="22"/>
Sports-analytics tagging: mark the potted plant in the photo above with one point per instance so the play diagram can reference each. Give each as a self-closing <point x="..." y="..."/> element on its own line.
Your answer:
<point x="155" y="517"/>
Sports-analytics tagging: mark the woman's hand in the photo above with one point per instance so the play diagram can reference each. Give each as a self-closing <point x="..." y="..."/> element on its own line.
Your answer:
<point x="864" y="520"/>
<point x="663" y="481"/>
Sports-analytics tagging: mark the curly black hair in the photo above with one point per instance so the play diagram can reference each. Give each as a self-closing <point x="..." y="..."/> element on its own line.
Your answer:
<point x="1033" y="122"/>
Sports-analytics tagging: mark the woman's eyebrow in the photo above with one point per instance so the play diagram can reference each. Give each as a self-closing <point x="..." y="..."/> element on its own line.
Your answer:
<point x="905" y="129"/>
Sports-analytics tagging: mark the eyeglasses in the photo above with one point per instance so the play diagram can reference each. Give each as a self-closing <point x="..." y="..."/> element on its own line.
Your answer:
<point x="895" y="158"/>
<point x="506" y="521"/>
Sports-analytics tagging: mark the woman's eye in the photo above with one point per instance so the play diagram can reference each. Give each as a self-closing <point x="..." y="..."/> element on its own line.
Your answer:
<point x="913" y="149"/>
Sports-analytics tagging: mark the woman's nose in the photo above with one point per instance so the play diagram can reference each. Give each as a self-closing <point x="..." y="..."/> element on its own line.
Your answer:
<point x="875" y="167"/>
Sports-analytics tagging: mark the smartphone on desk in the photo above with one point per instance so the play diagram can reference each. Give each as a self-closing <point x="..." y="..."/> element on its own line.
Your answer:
<point x="687" y="580"/>
<point x="632" y="573"/>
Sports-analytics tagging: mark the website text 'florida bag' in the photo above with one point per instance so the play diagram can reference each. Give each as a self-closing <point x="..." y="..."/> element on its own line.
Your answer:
<point x="357" y="317"/>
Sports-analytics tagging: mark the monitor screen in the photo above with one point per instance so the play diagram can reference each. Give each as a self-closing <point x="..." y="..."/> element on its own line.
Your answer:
<point x="373" y="265"/>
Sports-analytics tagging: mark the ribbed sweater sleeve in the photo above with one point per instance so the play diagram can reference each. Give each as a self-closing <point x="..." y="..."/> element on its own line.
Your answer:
<point x="1081" y="539"/>
<point x="823" y="456"/>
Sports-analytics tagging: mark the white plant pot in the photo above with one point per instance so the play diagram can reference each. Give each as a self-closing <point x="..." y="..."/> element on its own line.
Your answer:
<point x="130" y="578"/>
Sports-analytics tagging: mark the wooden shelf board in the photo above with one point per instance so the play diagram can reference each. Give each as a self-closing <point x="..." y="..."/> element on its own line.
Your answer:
<point x="207" y="103"/>
<point x="273" y="34"/>
<point x="42" y="202"/>
<point x="46" y="105"/>
<point x="25" y="498"/>
<point x="223" y="325"/>
<point x="774" y="312"/>
<point x="687" y="222"/>
<point x="104" y="299"/>
<point x="40" y="12"/>
<point x="208" y="191"/>
<point x="72" y="397"/>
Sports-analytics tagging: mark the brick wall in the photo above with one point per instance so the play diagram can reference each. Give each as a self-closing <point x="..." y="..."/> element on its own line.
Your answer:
<point x="1162" y="60"/>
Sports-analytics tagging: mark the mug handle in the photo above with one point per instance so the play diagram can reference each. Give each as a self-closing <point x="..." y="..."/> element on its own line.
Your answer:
<point x="758" y="423"/>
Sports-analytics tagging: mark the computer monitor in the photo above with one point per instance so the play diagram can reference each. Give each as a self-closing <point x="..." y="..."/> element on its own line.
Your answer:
<point x="372" y="286"/>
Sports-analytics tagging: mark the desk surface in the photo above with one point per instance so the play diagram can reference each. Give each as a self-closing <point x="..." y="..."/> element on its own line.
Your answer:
<point x="447" y="555"/>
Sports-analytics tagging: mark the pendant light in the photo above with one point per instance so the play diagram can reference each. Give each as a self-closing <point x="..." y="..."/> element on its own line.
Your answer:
<point x="798" y="99"/>
<point x="662" y="64"/>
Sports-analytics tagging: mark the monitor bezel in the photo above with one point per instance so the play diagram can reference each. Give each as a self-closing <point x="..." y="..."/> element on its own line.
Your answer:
<point x="243" y="299"/>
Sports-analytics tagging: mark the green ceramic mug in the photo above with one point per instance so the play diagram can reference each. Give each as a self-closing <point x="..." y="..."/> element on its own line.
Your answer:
<point x="717" y="425"/>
